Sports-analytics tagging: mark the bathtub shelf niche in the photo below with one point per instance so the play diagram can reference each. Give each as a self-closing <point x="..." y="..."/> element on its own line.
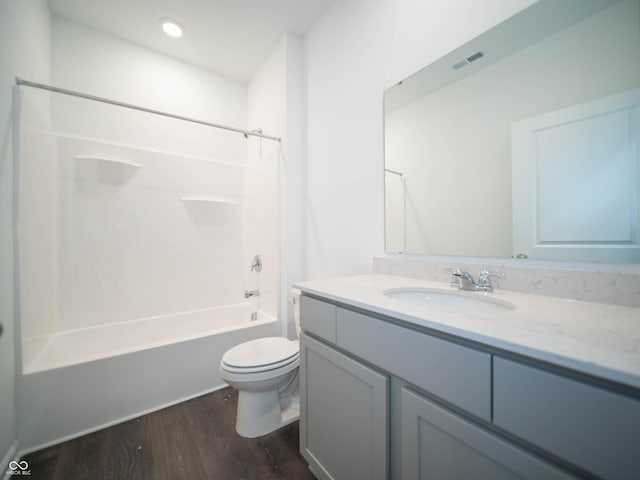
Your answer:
<point x="104" y="170"/>
<point x="205" y="210"/>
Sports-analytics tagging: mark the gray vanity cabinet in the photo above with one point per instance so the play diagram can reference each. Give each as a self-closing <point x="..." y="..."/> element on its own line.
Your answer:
<point x="439" y="445"/>
<point x="380" y="399"/>
<point x="343" y="410"/>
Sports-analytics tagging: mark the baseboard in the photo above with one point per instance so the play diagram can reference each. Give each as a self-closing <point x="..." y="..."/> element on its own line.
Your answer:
<point x="120" y="420"/>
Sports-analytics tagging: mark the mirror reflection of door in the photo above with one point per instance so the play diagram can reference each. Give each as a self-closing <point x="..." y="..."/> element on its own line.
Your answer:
<point x="575" y="182"/>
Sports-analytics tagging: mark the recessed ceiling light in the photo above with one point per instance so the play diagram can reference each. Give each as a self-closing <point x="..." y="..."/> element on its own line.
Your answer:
<point x="171" y="27"/>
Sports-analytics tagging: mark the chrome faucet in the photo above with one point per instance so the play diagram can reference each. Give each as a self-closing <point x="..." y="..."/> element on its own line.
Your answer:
<point x="251" y="293"/>
<point x="464" y="281"/>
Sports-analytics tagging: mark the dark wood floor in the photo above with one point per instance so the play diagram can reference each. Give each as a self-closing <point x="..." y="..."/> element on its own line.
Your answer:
<point x="192" y="440"/>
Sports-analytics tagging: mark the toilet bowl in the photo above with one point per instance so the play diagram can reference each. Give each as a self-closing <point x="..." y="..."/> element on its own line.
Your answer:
<point x="265" y="373"/>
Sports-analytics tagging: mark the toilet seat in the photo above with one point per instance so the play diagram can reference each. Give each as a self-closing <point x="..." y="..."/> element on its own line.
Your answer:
<point x="261" y="355"/>
<point x="250" y="376"/>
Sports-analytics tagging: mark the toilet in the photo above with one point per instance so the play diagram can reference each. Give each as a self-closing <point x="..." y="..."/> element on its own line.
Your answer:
<point x="265" y="372"/>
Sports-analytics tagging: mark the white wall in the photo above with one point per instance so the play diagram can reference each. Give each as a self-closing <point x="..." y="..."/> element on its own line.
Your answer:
<point x="89" y="61"/>
<point x="353" y="53"/>
<point x="273" y="177"/>
<point x="25" y="36"/>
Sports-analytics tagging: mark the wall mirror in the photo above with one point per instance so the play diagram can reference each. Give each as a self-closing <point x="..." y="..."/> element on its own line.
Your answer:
<point x="523" y="142"/>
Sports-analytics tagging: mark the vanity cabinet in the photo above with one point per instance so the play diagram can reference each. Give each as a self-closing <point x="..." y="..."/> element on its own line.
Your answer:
<point x="437" y="444"/>
<point x="381" y="398"/>
<point x="343" y="415"/>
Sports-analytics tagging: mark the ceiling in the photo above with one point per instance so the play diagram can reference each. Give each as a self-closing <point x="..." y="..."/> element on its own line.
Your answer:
<point x="230" y="37"/>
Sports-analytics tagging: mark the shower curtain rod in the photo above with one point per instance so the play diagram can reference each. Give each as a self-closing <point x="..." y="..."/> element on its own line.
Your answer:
<point x="246" y="133"/>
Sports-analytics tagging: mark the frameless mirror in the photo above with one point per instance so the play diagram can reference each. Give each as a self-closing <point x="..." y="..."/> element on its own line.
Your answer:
<point x="522" y="142"/>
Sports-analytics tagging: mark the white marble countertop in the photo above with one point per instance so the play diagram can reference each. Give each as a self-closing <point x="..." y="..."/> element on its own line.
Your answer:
<point x="594" y="338"/>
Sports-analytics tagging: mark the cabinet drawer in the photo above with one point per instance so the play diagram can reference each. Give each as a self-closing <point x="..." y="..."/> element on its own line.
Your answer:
<point x="457" y="374"/>
<point x="318" y="317"/>
<point x="593" y="428"/>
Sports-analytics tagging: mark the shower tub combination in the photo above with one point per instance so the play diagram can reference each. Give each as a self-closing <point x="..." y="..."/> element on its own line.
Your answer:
<point x="132" y="259"/>
<point x="99" y="376"/>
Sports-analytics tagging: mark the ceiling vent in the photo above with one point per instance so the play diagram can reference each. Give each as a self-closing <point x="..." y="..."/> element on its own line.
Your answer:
<point x="468" y="60"/>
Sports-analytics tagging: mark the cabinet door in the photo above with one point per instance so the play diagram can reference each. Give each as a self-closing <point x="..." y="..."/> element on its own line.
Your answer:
<point x="343" y="415"/>
<point x="437" y="444"/>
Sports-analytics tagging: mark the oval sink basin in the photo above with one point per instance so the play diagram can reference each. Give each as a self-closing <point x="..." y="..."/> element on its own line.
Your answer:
<point x="452" y="301"/>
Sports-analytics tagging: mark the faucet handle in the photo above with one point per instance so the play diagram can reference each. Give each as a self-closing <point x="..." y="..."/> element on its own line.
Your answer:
<point x="486" y="274"/>
<point x="484" y="281"/>
<point x="256" y="264"/>
<point x="455" y="275"/>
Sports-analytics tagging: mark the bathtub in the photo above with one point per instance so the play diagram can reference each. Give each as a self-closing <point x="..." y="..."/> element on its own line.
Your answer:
<point x="86" y="379"/>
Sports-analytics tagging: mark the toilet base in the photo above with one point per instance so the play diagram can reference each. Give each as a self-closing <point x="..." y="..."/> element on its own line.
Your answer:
<point x="260" y="413"/>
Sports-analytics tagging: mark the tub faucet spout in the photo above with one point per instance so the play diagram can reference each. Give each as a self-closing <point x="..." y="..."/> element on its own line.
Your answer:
<point x="251" y="293"/>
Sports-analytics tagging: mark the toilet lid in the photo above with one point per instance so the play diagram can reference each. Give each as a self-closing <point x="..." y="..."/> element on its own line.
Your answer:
<point x="261" y="352"/>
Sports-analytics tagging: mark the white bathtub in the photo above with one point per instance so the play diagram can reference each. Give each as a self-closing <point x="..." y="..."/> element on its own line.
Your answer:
<point x="86" y="379"/>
